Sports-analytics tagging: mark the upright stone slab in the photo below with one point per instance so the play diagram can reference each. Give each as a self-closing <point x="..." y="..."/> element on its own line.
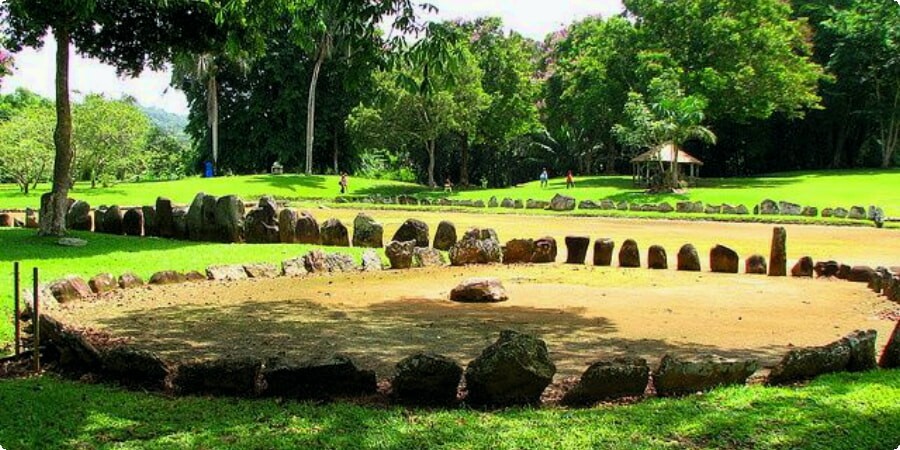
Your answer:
<point x="413" y="230"/>
<point x="545" y="250"/>
<point x="576" y="249"/>
<point x="778" y="254"/>
<point x="621" y="377"/>
<point x="518" y="251"/>
<point x="688" y="258"/>
<point x="803" y="268"/>
<point x="133" y="222"/>
<point x="367" y="232"/>
<point x="335" y="234"/>
<point x="656" y="257"/>
<point x="515" y="370"/>
<point x="629" y="254"/>
<point x="603" y="251"/>
<point x="209" y="226"/>
<point x="426" y="379"/>
<point x="179" y="225"/>
<point x="862" y="350"/>
<point x="112" y="221"/>
<point x="400" y="254"/>
<point x="755" y="264"/>
<point x="890" y="357"/>
<point x="151" y="222"/>
<point x="723" y="260"/>
<point x="99" y="215"/>
<point x="164" y="217"/>
<point x="261" y="224"/>
<point x="445" y="236"/>
<point x="230" y="219"/>
<point x="79" y="217"/>
<point x="287" y="226"/>
<point x="193" y="221"/>
<point x="561" y="202"/>
<point x="678" y="376"/>
<point x="478" y="246"/>
<point x="307" y="230"/>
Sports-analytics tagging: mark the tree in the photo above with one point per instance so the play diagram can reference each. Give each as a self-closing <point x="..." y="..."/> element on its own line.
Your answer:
<point x="665" y="115"/>
<point x="26" y="146"/>
<point x="130" y="35"/>
<point x="111" y="136"/>
<point x="6" y="64"/>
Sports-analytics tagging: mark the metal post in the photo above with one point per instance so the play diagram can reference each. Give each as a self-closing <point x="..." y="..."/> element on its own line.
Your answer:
<point x="16" y="307"/>
<point x="36" y="322"/>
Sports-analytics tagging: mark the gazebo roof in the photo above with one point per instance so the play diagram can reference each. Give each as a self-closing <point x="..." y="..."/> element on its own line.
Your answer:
<point x="666" y="153"/>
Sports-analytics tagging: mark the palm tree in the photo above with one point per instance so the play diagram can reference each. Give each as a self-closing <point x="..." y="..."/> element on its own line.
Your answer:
<point x="203" y="68"/>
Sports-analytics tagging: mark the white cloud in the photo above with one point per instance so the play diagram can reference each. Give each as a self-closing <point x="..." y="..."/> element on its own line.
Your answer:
<point x="35" y="70"/>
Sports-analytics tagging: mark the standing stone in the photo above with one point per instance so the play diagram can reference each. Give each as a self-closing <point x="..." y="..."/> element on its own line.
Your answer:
<point x="367" y="232"/>
<point x="31" y="220"/>
<point x="688" y="258"/>
<point x="778" y="255"/>
<point x="518" y="251"/>
<point x="561" y="202"/>
<point x="102" y="283"/>
<point x="478" y="246"/>
<point x="656" y="257"/>
<point x="890" y="357"/>
<point x="413" y="230"/>
<point x="507" y="203"/>
<point x="862" y="350"/>
<point x="164" y="217"/>
<point x="445" y="237"/>
<point x="400" y="254"/>
<point x="861" y="274"/>
<point x="112" y="221"/>
<point x="493" y="203"/>
<point x="371" y="262"/>
<point x="723" y="260"/>
<point x="629" y="254"/>
<point x="307" y="230"/>
<point x="69" y="289"/>
<point x="603" y="251"/>
<point x="179" y="226"/>
<point x="133" y="222"/>
<point x="426" y="379"/>
<point x="230" y="219"/>
<point x="287" y="226"/>
<point x="99" y="214"/>
<point x="810" y="211"/>
<point x="79" y="217"/>
<point x="755" y="264"/>
<point x="515" y="370"/>
<point x="843" y="271"/>
<point x="129" y="280"/>
<point x="769" y="207"/>
<point x="261" y="226"/>
<point x="518" y="204"/>
<point x="428" y="257"/>
<point x="621" y="377"/>
<point x="856" y="213"/>
<point x="151" y="222"/>
<point x="790" y="209"/>
<point x="576" y="249"/>
<point x="803" y="268"/>
<point x="209" y="227"/>
<point x="545" y="250"/>
<point x="334" y="234"/>
<point x="194" y="218"/>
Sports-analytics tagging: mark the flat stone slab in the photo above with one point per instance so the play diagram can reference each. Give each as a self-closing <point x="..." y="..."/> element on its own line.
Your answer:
<point x="479" y="290"/>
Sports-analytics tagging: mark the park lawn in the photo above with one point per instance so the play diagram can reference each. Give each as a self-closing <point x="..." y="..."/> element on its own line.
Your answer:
<point x="117" y="254"/>
<point x="821" y="189"/>
<point x="840" y="411"/>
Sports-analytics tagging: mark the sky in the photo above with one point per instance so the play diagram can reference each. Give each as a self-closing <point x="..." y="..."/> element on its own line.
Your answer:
<point x="533" y="18"/>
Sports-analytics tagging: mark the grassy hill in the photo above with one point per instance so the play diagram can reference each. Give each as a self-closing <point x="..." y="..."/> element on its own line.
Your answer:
<point x="821" y="189"/>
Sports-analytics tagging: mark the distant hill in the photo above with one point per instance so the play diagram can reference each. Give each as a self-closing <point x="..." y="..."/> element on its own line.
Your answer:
<point x="171" y="123"/>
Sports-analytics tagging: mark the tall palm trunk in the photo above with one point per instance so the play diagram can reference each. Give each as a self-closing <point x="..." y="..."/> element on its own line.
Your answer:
<point x="212" y="102"/>
<point x="53" y="214"/>
<point x="311" y="104"/>
<point x="464" y="161"/>
<point x="429" y="146"/>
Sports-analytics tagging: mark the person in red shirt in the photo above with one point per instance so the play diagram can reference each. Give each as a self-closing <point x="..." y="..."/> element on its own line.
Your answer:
<point x="570" y="180"/>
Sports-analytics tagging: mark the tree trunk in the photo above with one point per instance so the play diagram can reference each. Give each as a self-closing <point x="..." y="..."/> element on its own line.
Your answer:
<point x="429" y="146"/>
<point x="674" y="168"/>
<point x="335" y="149"/>
<point x="212" y="92"/>
<point x="53" y="221"/>
<point x="611" y="157"/>
<point x="464" y="161"/>
<point x="311" y="108"/>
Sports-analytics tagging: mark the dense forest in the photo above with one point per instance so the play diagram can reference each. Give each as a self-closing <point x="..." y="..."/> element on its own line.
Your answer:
<point x="803" y="85"/>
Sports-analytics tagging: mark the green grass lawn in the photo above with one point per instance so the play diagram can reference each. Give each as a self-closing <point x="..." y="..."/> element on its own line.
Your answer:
<point x="119" y="254"/>
<point x="843" y="411"/>
<point x="821" y="189"/>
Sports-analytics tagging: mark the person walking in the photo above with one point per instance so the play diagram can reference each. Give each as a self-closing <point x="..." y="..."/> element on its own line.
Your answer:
<point x="544" y="178"/>
<point x="448" y="185"/>
<point x="570" y="180"/>
<point x="344" y="182"/>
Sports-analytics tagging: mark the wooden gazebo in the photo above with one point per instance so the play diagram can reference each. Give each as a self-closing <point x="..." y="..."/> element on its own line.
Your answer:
<point x="646" y="166"/>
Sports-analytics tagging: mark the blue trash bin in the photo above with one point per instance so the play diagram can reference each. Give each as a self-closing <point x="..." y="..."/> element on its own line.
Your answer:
<point x="208" y="170"/>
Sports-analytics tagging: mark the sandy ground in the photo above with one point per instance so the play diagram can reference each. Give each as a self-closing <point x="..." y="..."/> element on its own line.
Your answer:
<point x="850" y="245"/>
<point x="583" y="313"/>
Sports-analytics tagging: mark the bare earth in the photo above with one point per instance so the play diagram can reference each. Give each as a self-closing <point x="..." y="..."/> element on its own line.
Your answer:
<point x="584" y="313"/>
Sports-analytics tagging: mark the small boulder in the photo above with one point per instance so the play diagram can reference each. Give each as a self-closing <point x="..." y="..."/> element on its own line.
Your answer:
<point x="478" y="246"/>
<point x="151" y="222"/>
<point x="479" y="290"/>
<point x="856" y="213"/>
<point x="603" y="251"/>
<point x="545" y="250"/>
<point x="769" y="207"/>
<point x="629" y="254"/>
<point x="664" y="208"/>
<point x="195" y="276"/>
<point x="261" y="270"/>
<point x="576" y="249"/>
<point x="826" y="269"/>
<point x="112" y="221"/>
<point x="756" y="264"/>
<point x="334" y="234"/>
<point x="507" y="203"/>
<point x="340" y="263"/>
<point x="493" y="203"/>
<point x="688" y="258"/>
<point x="805" y="363"/>
<point x="445" y="237"/>
<point x="803" y="267"/>
<point x="536" y="204"/>
<point x="233" y="272"/>
<point x="167" y="277"/>
<point x="165" y="220"/>
<point x="318" y="378"/>
<point x="723" y="260"/>
<point x="371" y="262"/>
<point x="789" y="209"/>
<point x="307" y="231"/>
<point x="314" y="261"/>
<point x="237" y="377"/>
<point x="810" y="211"/>
<point x="287" y="226"/>
<point x="561" y="202"/>
<point x="656" y="257"/>
<point x="427" y="257"/>
<point x="400" y="254"/>
<point x="840" y="213"/>
<point x="261" y="226"/>
<point x="861" y="274"/>
<point x="367" y="233"/>
<point x="518" y="251"/>
<point x="515" y="370"/>
<point x="890" y="357"/>
<point x="413" y="230"/>
<point x="588" y="204"/>
<point x="621" y="377"/>
<point x="426" y="379"/>
<point x="293" y="267"/>
<point x="79" y="216"/>
<point x="129" y="280"/>
<point x="102" y="283"/>
<point x="862" y="350"/>
<point x="676" y="376"/>
<point x="70" y="288"/>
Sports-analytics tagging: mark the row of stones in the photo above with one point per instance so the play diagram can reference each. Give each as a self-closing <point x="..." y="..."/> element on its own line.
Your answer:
<point x="515" y="370"/>
<point x="565" y="203"/>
